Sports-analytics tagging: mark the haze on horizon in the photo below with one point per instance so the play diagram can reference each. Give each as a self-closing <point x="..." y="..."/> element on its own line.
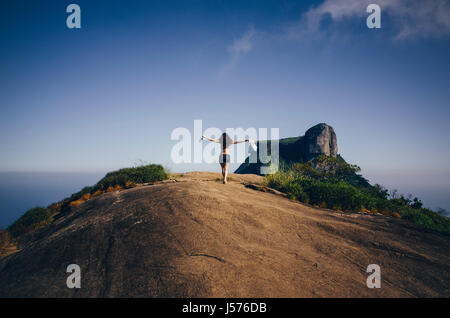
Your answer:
<point x="109" y="94"/>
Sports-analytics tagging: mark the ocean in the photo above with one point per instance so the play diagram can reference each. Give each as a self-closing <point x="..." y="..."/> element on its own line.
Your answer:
<point x="21" y="191"/>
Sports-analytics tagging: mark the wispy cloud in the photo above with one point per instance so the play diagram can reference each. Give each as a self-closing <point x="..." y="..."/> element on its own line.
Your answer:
<point x="240" y="47"/>
<point x="410" y="18"/>
<point x="244" y="44"/>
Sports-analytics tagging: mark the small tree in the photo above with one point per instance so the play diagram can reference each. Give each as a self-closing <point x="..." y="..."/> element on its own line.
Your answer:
<point x="416" y="204"/>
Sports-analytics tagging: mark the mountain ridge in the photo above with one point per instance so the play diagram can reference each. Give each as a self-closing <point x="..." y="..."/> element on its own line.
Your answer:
<point x="192" y="236"/>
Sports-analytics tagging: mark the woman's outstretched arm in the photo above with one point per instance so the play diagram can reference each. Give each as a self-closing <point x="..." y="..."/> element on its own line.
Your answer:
<point x="238" y="142"/>
<point x="210" y="139"/>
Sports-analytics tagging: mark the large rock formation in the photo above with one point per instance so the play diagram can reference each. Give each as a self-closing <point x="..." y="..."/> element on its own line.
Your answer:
<point x="318" y="140"/>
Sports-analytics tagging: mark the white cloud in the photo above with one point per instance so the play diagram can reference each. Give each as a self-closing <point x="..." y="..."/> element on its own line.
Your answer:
<point x="240" y="47"/>
<point x="244" y="44"/>
<point x="410" y="18"/>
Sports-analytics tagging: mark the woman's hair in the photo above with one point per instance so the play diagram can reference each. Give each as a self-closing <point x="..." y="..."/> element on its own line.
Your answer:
<point x="226" y="139"/>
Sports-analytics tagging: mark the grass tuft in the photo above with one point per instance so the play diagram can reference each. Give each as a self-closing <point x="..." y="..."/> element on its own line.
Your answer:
<point x="30" y="221"/>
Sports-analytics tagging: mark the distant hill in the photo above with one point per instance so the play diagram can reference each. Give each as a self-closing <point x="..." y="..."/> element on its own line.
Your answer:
<point x="192" y="236"/>
<point x="318" y="140"/>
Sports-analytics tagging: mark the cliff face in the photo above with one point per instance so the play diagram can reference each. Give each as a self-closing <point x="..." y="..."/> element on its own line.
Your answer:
<point x="195" y="237"/>
<point x="318" y="140"/>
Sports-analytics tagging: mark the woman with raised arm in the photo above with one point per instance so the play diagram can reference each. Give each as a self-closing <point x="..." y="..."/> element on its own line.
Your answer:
<point x="225" y="141"/>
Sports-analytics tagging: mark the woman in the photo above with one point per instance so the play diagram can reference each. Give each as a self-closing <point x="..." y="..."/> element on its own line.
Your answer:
<point x="224" y="158"/>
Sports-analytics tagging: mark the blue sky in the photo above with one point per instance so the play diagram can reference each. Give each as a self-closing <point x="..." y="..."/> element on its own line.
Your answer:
<point x="108" y="95"/>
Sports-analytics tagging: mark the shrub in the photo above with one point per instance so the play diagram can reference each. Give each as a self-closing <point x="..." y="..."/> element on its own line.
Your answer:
<point x="96" y="193"/>
<point x="397" y="215"/>
<point x="4" y="239"/>
<point x="141" y="174"/>
<point x="30" y="221"/>
<point x="306" y="170"/>
<point x="76" y="203"/>
<point x="332" y="183"/>
<point x="296" y="192"/>
<point x="117" y="180"/>
<point x="129" y="184"/>
<point x="282" y="180"/>
<point x="330" y="166"/>
<point x="85" y="192"/>
<point x="427" y="219"/>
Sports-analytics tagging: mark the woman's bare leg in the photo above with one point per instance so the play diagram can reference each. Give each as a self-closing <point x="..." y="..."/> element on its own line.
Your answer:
<point x="224" y="171"/>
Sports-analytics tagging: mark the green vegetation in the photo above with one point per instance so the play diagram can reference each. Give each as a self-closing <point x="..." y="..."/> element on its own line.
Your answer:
<point x="332" y="183"/>
<point x="113" y="181"/>
<point x="141" y="174"/>
<point x="116" y="180"/>
<point x="290" y="140"/>
<point x="30" y="221"/>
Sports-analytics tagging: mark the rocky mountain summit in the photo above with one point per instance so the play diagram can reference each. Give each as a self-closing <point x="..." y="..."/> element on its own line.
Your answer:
<point x="310" y="231"/>
<point x="192" y="236"/>
<point x="318" y="140"/>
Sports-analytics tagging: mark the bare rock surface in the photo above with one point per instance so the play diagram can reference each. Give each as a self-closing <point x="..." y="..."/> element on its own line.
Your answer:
<point x="195" y="237"/>
<point x="320" y="139"/>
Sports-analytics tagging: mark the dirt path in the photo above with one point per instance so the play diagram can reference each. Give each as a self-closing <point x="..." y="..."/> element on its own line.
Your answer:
<point x="193" y="236"/>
